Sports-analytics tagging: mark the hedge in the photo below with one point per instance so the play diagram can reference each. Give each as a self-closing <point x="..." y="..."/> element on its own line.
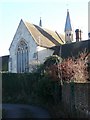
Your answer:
<point x="26" y="88"/>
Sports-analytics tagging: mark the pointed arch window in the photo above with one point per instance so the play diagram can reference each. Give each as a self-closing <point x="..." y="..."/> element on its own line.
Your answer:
<point x="22" y="58"/>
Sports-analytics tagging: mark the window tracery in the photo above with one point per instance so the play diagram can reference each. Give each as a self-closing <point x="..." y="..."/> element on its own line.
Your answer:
<point x="22" y="57"/>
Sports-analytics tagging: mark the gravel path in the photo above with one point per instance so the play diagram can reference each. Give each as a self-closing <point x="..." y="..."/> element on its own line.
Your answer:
<point x="24" y="111"/>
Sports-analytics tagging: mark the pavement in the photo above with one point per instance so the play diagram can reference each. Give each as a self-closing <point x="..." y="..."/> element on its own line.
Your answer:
<point x="24" y="111"/>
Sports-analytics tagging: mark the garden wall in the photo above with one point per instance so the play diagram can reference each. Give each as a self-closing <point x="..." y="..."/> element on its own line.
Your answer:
<point x="76" y="97"/>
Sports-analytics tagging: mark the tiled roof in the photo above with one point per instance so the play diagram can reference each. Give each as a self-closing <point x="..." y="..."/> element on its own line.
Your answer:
<point x="59" y="37"/>
<point x="73" y="49"/>
<point x="44" y="37"/>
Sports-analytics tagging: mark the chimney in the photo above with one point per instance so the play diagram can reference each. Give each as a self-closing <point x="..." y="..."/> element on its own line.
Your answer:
<point x="78" y="35"/>
<point x="89" y="35"/>
<point x="40" y="22"/>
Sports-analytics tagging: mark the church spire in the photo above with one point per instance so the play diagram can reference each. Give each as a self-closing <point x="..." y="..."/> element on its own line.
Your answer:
<point x="68" y="29"/>
<point x="40" y="22"/>
<point x="68" y="22"/>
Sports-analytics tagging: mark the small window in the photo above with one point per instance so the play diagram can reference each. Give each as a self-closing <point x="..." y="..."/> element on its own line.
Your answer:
<point x="69" y="34"/>
<point x="35" y="55"/>
<point x="18" y="49"/>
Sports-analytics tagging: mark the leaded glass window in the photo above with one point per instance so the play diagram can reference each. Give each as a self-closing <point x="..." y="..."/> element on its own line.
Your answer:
<point x="22" y="58"/>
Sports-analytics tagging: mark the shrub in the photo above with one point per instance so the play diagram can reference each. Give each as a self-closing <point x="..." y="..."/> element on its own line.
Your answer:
<point x="70" y="69"/>
<point x="51" y="60"/>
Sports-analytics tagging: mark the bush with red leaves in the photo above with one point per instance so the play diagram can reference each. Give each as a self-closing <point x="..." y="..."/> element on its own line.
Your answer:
<point x="70" y="69"/>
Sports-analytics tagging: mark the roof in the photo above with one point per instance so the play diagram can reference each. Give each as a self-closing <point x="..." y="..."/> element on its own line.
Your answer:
<point x="44" y="37"/>
<point x="72" y="49"/>
<point x="75" y="48"/>
<point x="68" y="23"/>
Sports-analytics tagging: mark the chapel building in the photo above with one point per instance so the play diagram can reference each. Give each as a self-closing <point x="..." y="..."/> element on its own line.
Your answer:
<point x="32" y="44"/>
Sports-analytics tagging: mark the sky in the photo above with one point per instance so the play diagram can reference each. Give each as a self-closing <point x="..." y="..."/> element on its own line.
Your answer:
<point x="52" y="12"/>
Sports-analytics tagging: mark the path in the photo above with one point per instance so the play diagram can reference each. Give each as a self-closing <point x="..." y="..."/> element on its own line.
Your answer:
<point x="24" y="111"/>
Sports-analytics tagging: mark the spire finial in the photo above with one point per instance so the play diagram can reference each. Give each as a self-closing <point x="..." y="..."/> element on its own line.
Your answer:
<point x="40" y="23"/>
<point x="67" y="4"/>
<point x="67" y="10"/>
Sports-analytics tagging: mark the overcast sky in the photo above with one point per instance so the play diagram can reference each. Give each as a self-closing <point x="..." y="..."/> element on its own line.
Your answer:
<point x="52" y="12"/>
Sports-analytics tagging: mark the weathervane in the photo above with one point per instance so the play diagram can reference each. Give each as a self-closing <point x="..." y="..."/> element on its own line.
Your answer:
<point x="67" y="5"/>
